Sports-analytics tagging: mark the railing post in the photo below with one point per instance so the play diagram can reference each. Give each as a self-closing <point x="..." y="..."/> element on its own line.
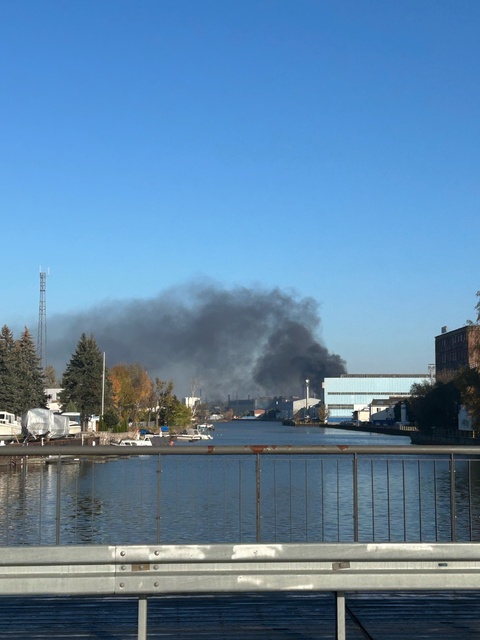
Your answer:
<point x="340" y="615"/>
<point x="159" y="487"/>
<point x="453" y="507"/>
<point x="142" y="617"/>
<point x="58" y="500"/>
<point x="355" y="497"/>
<point x="258" y="498"/>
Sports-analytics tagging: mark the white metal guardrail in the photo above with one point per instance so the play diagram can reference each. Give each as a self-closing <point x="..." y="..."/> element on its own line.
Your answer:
<point x="127" y="570"/>
<point x="169" y="569"/>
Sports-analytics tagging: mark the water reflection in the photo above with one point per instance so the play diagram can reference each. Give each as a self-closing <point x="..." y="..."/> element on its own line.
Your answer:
<point x="208" y="499"/>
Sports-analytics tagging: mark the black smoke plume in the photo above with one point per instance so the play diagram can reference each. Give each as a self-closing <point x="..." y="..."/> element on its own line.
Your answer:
<point x="239" y="342"/>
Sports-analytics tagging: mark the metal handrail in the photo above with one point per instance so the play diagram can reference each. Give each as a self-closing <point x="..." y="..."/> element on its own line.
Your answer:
<point x="143" y="570"/>
<point x="212" y="450"/>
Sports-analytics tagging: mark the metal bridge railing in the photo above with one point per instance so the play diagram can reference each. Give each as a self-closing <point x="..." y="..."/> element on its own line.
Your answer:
<point x="204" y="494"/>
<point x="223" y="519"/>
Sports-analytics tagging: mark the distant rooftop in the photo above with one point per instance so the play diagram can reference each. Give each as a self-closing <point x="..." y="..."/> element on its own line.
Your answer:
<point x="385" y="375"/>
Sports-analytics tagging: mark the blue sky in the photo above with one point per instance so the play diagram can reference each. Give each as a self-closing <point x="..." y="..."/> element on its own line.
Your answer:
<point x="330" y="148"/>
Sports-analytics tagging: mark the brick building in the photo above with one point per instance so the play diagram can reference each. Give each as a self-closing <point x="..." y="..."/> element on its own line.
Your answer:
<point x="456" y="349"/>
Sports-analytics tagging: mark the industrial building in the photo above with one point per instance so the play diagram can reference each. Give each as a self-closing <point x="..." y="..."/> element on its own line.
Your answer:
<point x="353" y="392"/>
<point x="456" y="349"/>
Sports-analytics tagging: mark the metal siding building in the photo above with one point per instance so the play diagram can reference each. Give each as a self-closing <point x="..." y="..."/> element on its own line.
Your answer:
<point x="353" y="392"/>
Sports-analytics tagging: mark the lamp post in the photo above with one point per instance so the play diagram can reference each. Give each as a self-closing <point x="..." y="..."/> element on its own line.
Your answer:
<point x="307" y="382"/>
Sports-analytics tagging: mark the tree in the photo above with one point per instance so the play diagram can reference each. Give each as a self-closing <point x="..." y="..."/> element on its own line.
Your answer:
<point x="166" y="407"/>
<point x="29" y="375"/>
<point x="8" y="374"/>
<point x="477" y="309"/>
<point x="166" y="401"/>
<point x="468" y="379"/>
<point x="435" y="406"/>
<point x="162" y="401"/>
<point x="468" y="383"/>
<point x="110" y="420"/>
<point x="194" y="383"/>
<point x="322" y="412"/>
<point x="50" y="376"/>
<point x="131" y="388"/>
<point x="180" y="416"/>
<point x="82" y="380"/>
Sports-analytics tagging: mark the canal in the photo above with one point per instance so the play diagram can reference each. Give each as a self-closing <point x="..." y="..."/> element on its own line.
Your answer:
<point x="306" y="497"/>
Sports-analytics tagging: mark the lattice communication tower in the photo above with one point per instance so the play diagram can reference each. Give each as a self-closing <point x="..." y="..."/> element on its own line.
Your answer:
<point x="42" y="321"/>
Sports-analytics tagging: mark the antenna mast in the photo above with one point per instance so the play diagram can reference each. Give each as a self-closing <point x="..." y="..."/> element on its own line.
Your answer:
<point x="42" y="321"/>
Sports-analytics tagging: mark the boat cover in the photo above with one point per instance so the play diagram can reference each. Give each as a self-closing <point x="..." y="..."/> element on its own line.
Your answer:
<point x="37" y="422"/>
<point x="61" y="426"/>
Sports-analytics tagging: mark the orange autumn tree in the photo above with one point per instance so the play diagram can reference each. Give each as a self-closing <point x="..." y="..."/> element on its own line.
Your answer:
<point x="131" y="390"/>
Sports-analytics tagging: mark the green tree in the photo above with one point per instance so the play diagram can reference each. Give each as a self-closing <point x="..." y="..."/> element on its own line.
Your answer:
<point x="468" y="383"/>
<point x="82" y="380"/>
<point x="166" y="401"/>
<point x="180" y="415"/>
<point x="435" y="406"/>
<point x="29" y="375"/>
<point x="8" y="374"/>
<point x="110" y="421"/>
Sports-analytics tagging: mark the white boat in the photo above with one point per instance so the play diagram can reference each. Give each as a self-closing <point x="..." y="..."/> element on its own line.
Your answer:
<point x="157" y="440"/>
<point x="74" y="426"/>
<point x="74" y="429"/>
<point x="206" y="426"/>
<point x="189" y="434"/>
<point x="203" y="431"/>
<point x="10" y="426"/>
<point x="194" y="434"/>
<point x="132" y="442"/>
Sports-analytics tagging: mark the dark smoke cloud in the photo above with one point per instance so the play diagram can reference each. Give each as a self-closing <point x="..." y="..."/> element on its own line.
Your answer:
<point x="236" y="342"/>
<point x="293" y="354"/>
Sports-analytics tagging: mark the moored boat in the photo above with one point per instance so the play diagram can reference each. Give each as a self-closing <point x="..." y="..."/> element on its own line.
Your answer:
<point x="37" y="423"/>
<point x="206" y="426"/>
<point x="10" y="426"/>
<point x="132" y="442"/>
<point x="203" y="430"/>
<point x="189" y="435"/>
<point x="194" y="434"/>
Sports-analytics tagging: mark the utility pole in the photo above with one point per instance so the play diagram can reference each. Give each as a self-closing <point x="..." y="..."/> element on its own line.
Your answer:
<point x="42" y="321"/>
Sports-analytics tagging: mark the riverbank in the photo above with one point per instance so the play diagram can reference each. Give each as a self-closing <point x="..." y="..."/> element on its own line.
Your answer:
<point x="417" y="437"/>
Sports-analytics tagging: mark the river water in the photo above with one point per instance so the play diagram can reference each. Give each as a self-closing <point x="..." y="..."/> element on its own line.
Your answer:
<point x="247" y="432"/>
<point x="196" y="499"/>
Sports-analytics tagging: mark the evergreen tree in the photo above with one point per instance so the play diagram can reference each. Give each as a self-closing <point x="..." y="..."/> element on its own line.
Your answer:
<point x="82" y="380"/>
<point x="8" y="375"/>
<point x="29" y="374"/>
